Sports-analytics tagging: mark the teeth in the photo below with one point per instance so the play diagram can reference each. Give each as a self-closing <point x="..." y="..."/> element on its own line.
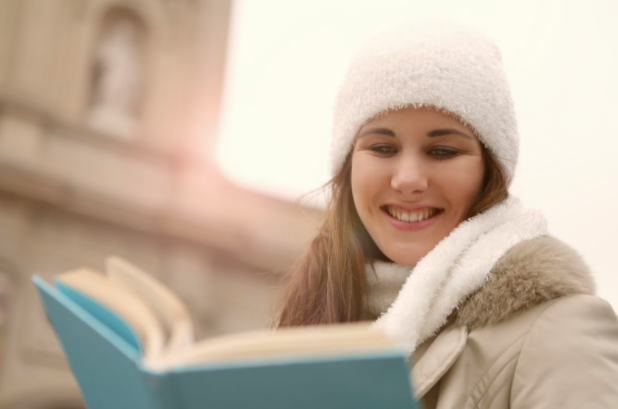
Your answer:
<point x="411" y="217"/>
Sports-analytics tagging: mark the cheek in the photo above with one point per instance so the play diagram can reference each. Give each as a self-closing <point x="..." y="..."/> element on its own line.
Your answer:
<point x="465" y="183"/>
<point x="365" y="182"/>
<point x="358" y="187"/>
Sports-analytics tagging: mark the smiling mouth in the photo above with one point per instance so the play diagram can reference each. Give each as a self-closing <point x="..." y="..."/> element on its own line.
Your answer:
<point x="411" y="216"/>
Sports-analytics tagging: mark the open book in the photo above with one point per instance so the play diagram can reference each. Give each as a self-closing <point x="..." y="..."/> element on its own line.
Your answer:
<point x="130" y="344"/>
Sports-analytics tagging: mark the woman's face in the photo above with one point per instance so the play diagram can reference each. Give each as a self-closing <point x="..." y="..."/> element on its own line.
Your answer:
<point x="416" y="173"/>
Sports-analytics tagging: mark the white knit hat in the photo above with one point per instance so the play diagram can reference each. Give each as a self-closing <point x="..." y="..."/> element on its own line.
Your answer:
<point x="429" y="63"/>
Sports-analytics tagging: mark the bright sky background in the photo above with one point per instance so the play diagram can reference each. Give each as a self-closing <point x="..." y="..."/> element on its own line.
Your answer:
<point x="287" y="58"/>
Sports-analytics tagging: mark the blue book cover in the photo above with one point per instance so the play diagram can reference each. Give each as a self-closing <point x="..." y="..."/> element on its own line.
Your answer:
<point x="105" y="355"/>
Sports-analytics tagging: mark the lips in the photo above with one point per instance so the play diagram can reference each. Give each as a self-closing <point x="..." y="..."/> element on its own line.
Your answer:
<point x="399" y="223"/>
<point x="414" y="215"/>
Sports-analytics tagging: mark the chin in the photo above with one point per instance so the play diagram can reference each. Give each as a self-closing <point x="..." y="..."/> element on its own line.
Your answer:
<point x="404" y="259"/>
<point x="406" y="255"/>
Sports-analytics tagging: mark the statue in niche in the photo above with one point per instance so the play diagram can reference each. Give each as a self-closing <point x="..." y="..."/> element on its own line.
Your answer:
<point x="117" y="85"/>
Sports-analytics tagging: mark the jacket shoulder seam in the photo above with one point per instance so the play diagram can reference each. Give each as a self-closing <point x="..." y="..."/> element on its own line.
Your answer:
<point x="492" y="366"/>
<point x="502" y="386"/>
<point x="527" y="334"/>
<point x="523" y="336"/>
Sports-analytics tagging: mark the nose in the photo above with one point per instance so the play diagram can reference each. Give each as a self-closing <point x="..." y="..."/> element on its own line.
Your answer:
<point x="409" y="177"/>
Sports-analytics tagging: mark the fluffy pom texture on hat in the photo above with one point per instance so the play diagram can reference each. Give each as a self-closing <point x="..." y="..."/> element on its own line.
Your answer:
<point x="434" y="63"/>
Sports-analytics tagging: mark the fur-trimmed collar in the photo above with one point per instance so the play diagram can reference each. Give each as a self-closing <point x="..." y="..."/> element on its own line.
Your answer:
<point x="532" y="272"/>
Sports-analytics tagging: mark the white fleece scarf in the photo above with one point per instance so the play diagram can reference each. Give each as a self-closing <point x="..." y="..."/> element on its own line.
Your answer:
<point x="458" y="266"/>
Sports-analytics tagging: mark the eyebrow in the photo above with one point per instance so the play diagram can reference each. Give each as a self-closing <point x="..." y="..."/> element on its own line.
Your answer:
<point x="447" y="131"/>
<point x="378" y="131"/>
<point x="431" y="134"/>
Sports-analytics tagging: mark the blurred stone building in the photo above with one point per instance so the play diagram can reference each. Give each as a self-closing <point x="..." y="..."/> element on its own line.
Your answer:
<point x="108" y="112"/>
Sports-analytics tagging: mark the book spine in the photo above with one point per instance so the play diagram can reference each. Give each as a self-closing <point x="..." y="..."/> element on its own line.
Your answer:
<point x="161" y="388"/>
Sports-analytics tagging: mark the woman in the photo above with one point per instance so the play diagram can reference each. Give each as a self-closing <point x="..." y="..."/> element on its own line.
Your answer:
<point x="422" y="235"/>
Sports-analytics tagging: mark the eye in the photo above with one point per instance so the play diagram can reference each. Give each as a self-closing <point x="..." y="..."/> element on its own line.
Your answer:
<point x="443" y="153"/>
<point x="382" y="149"/>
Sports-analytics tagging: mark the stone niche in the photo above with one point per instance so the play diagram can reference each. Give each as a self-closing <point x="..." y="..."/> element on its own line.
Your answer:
<point x="118" y="75"/>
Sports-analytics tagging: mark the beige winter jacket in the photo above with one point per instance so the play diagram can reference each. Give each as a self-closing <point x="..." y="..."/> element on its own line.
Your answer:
<point x="534" y="337"/>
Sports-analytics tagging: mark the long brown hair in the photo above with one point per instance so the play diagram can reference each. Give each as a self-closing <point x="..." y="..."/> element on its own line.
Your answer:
<point x="328" y="284"/>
